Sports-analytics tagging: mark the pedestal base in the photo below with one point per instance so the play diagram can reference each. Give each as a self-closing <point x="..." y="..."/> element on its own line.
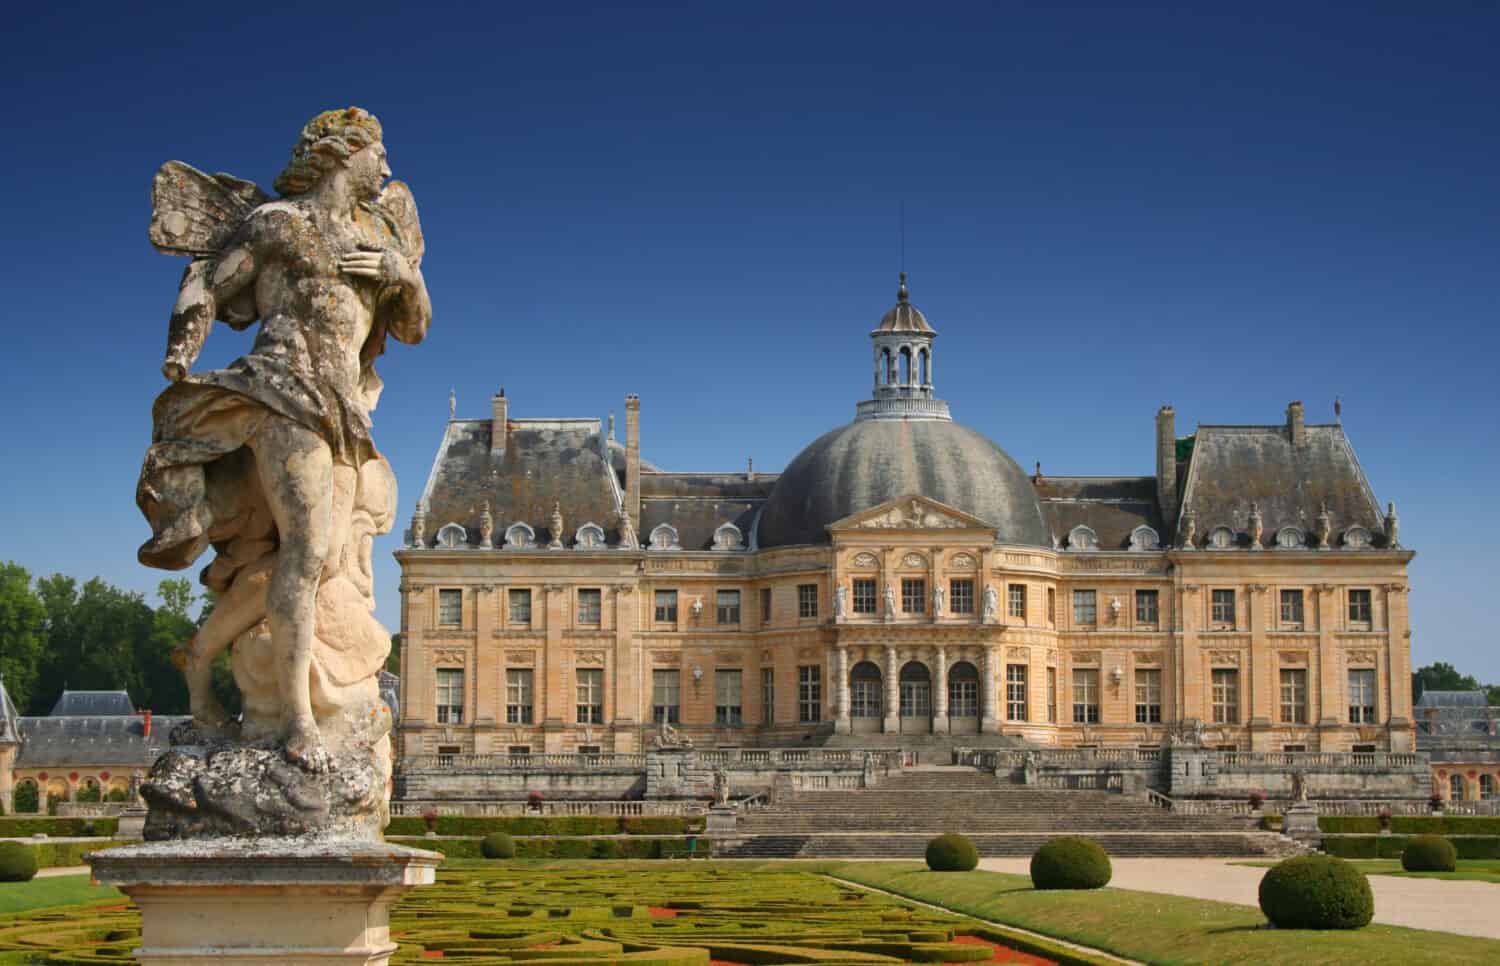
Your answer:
<point x="238" y="902"/>
<point x="1300" y="823"/>
<point x="722" y="824"/>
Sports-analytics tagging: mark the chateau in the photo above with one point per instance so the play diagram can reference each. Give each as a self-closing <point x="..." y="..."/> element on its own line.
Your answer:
<point x="903" y="576"/>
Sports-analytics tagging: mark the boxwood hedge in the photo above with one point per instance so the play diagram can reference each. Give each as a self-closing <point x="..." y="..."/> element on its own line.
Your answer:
<point x="563" y="848"/>
<point x="1412" y="824"/>
<point x="20" y="828"/>
<point x="1429" y="853"/>
<point x="1316" y="892"/>
<point x="1391" y="846"/>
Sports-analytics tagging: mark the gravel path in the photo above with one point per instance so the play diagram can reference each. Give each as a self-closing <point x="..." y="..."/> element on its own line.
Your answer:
<point x="1465" y="908"/>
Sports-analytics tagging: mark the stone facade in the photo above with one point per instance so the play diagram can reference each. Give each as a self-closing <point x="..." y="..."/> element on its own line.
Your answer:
<point x="1251" y="596"/>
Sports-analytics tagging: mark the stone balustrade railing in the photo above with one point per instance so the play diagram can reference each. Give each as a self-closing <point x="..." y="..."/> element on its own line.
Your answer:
<point x="1315" y="760"/>
<point x="492" y="809"/>
<point x="491" y="763"/>
<point x="793" y="757"/>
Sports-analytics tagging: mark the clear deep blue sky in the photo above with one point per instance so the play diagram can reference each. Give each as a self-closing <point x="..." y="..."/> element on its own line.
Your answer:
<point x="1106" y="210"/>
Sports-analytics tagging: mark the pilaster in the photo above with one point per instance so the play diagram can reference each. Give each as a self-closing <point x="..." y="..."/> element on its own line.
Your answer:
<point x="989" y="719"/>
<point x="940" y="693"/>
<point x="841" y="721"/>
<point x="892" y="722"/>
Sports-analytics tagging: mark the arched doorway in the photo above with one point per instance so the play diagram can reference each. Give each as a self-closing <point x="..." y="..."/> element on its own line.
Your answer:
<point x="866" y="700"/>
<point x="916" y="699"/>
<point x="963" y="699"/>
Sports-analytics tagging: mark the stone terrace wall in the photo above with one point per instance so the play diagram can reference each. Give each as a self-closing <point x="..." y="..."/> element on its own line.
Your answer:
<point x="1202" y="773"/>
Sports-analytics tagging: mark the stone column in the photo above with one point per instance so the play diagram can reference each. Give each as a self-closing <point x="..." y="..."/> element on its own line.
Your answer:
<point x="892" y="723"/>
<point x="841" y="723"/>
<point x="549" y="696"/>
<point x="940" y="693"/>
<point x="625" y="685"/>
<point x="989" y="721"/>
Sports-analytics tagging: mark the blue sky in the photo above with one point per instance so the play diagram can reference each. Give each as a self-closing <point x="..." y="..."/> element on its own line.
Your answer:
<point x="1107" y="209"/>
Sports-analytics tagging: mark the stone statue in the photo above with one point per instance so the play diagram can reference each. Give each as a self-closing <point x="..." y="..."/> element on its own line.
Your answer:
<point x="1324" y="526"/>
<point x="628" y="539"/>
<point x="890" y="602"/>
<point x="1257" y="526"/>
<point x="419" y="526"/>
<point x="667" y="739"/>
<point x="841" y="603"/>
<point x="937" y="601"/>
<point x="721" y="786"/>
<point x="1392" y="526"/>
<point x="486" y="528"/>
<point x="556" y="525"/>
<point x="1189" y="529"/>
<point x="991" y="604"/>
<point x="1299" y="787"/>
<point x="271" y="462"/>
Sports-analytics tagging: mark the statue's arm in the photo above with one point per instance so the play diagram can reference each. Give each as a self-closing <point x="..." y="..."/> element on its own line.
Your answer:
<point x="409" y="310"/>
<point x="207" y="284"/>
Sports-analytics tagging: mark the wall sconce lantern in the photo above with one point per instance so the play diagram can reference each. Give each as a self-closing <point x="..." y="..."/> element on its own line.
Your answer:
<point x="1117" y="674"/>
<point x="697" y="673"/>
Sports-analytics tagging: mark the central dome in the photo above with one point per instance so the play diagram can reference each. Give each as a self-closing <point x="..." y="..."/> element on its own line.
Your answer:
<point x="870" y="461"/>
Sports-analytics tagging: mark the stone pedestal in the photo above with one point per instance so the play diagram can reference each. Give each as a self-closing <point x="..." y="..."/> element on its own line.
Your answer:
<point x="132" y="823"/>
<point x="723" y="823"/>
<point x="1300" y="823"/>
<point x="238" y="902"/>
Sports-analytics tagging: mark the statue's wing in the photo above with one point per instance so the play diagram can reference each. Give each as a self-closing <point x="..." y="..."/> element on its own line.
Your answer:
<point x="400" y="211"/>
<point x="193" y="213"/>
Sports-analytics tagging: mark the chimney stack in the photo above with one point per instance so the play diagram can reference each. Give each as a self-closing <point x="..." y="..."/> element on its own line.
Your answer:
<point x="499" y="420"/>
<point x="1166" y="464"/>
<point x="633" y="459"/>
<point x="1295" y="426"/>
<point x="146" y="723"/>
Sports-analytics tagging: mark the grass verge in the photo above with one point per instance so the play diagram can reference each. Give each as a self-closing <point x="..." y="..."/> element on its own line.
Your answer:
<point x="59" y="890"/>
<point x="1159" y="928"/>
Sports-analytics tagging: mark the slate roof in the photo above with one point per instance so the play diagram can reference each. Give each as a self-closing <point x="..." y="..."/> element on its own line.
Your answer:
<point x="1232" y="466"/>
<point x="83" y="740"/>
<point x="1111" y="506"/>
<point x="10" y="720"/>
<point x="697" y="504"/>
<point x="1453" y="699"/>
<point x="93" y="703"/>
<point x="544" y="460"/>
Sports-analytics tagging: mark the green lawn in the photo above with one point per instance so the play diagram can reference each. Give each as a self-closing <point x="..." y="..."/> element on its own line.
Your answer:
<point x="59" y="890"/>
<point x="1163" y="929"/>
<point x="1469" y="870"/>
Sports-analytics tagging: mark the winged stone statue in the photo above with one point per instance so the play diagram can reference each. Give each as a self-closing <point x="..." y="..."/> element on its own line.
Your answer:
<point x="270" y="462"/>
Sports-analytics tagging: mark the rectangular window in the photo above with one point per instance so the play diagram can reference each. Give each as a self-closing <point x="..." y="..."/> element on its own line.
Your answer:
<point x="1223" y="607"/>
<point x="767" y="695"/>
<point x="765" y="605"/>
<point x="446" y="754"/>
<point x="518" y="695"/>
<point x="728" y="708"/>
<point x="1085" y="608"/>
<point x="450" y="607"/>
<point x="1291" y="608"/>
<point x="666" y="606"/>
<point x="807" y="600"/>
<point x="450" y="695"/>
<point x="1052" y="694"/>
<point x="1086" y="695"/>
<point x="590" y="695"/>
<point x="1147" y="612"/>
<point x="1293" y="695"/>
<point x="963" y="698"/>
<point x="864" y="596"/>
<point x="961" y="596"/>
<point x="1362" y="696"/>
<point x="729" y="606"/>
<point x="1359" y="606"/>
<point x="1015" y="692"/>
<point x="810" y="693"/>
<point x="518" y="751"/>
<point x="1052" y="605"/>
<point x="913" y="595"/>
<point x="666" y="696"/>
<point x="1226" y="688"/>
<point x="520" y="606"/>
<point x="1148" y="696"/>
<point x="1015" y="596"/>
<point x="590" y="605"/>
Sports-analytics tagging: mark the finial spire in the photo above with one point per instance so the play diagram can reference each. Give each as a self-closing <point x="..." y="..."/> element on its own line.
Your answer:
<point x="901" y="292"/>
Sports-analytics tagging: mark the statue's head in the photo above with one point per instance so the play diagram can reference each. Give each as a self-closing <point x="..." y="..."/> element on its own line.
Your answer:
<point x="329" y="141"/>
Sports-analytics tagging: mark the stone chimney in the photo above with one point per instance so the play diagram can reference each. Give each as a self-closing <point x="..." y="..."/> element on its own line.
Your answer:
<point x="499" y="420"/>
<point x="146" y="723"/>
<point x="1166" y="463"/>
<point x="633" y="459"/>
<point x="1296" y="427"/>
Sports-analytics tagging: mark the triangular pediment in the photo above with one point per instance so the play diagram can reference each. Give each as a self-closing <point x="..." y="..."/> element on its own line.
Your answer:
<point x="910" y="512"/>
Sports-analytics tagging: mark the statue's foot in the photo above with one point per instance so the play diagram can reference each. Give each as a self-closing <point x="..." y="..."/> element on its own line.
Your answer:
<point x="304" y="748"/>
<point x="217" y="726"/>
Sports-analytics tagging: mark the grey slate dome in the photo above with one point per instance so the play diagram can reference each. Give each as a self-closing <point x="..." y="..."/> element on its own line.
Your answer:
<point x="870" y="461"/>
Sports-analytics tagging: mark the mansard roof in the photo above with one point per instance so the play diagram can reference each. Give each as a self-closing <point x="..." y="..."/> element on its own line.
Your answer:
<point x="93" y="703"/>
<point x="1112" y="506"/>
<point x="697" y="504"/>
<point x="1231" y="467"/>
<point x="100" y="739"/>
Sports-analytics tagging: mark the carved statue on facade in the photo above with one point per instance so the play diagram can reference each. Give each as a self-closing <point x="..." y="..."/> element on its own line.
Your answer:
<point x="841" y="603"/>
<point x="938" y="599"/>
<point x="1392" y="526"/>
<point x="270" y="462"/>
<point x="627" y="532"/>
<point x="1257" y="526"/>
<point x="419" y="526"/>
<point x="1324" y="526"/>
<point x="721" y="786"/>
<point x="991" y="604"/>
<point x="890" y="602"/>
<point x="1189" y="529"/>
<point x="1299" y="786"/>
<point x="667" y="739"/>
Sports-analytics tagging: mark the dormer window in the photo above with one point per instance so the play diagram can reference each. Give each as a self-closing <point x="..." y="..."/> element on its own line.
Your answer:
<point x="1290" y="538"/>
<point x="1144" y="538"/>
<point x="1357" y="538"/>
<point x="1221" y="538"/>
<point x="1082" y="538"/>
<point x="452" y="537"/>
<point x="590" y="536"/>
<point x="664" y="537"/>
<point x="729" y="537"/>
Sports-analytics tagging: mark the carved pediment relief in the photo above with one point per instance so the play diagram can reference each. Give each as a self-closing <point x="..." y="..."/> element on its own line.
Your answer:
<point x="448" y="655"/>
<point x="910" y="513"/>
<point x="1148" y="657"/>
<point x="962" y="561"/>
<point x="666" y="657"/>
<point x="520" y="658"/>
<point x="1224" y="658"/>
<point x="865" y="561"/>
<point x="590" y="658"/>
<point x="1293" y="657"/>
<point x="1362" y="657"/>
<point x="914" y="561"/>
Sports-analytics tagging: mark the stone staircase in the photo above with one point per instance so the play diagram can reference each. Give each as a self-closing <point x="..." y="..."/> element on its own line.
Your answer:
<point x="896" y="818"/>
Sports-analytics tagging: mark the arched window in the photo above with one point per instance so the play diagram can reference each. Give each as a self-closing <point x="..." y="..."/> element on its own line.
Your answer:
<point x="916" y="690"/>
<point x="865" y="691"/>
<point x="452" y="536"/>
<point x="519" y="536"/>
<point x="904" y="378"/>
<point x="1456" y="787"/>
<point x="883" y="374"/>
<point x="963" y="691"/>
<point x="1487" y="790"/>
<point x="664" y="537"/>
<point x="926" y="376"/>
<point x="729" y="537"/>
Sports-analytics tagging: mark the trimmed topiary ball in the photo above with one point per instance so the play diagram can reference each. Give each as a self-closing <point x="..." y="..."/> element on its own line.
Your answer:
<point x="1429" y="853"/>
<point x="1070" y="862"/>
<point x="1316" y="892"/>
<point x="17" y="862"/>
<point x="951" y="852"/>
<point x="498" y="845"/>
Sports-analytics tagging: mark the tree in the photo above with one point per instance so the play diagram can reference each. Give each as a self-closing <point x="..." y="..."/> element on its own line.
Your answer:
<point x="393" y="660"/>
<point x="1440" y="676"/>
<point x="23" y="633"/>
